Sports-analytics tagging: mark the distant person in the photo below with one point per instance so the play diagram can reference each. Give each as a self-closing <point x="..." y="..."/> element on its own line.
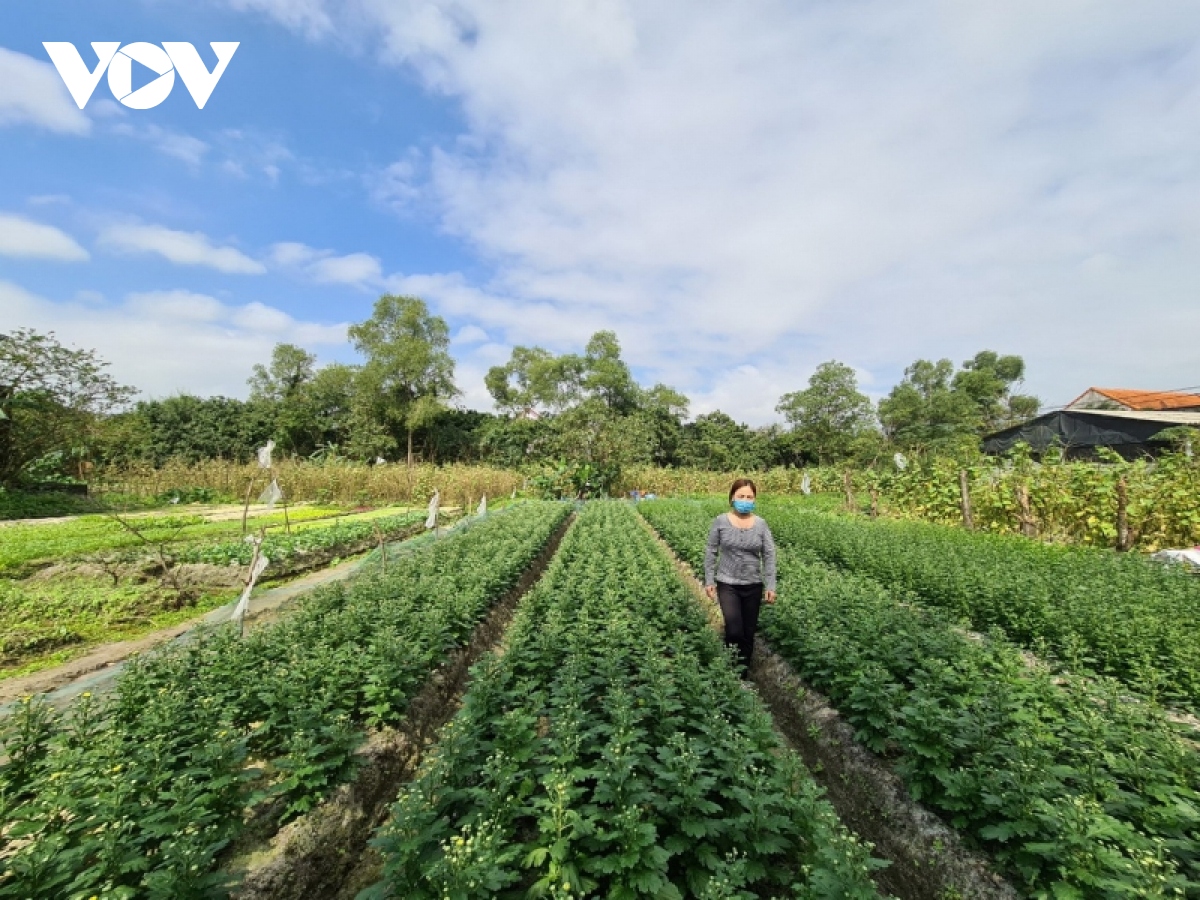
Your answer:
<point x="739" y="568"/>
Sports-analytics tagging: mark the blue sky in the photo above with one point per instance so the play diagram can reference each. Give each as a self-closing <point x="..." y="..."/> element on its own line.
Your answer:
<point x="739" y="191"/>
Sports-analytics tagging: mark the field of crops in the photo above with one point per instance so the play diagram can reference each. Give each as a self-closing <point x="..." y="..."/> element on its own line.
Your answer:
<point x="607" y="747"/>
<point x="135" y="794"/>
<point x="25" y="547"/>
<point x="1075" y="789"/>
<point x="1118" y="614"/>
<point x="611" y="752"/>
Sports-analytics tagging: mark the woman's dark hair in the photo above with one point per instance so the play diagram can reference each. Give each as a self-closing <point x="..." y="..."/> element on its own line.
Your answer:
<point x="739" y="484"/>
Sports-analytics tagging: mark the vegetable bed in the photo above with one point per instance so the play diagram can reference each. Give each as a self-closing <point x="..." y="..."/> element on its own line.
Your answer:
<point x="136" y="794"/>
<point x="1075" y="788"/>
<point x="611" y="752"/>
<point x="1119" y="614"/>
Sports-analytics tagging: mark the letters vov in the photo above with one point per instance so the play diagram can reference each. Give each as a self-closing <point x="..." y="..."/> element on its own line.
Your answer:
<point x="171" y="57"/>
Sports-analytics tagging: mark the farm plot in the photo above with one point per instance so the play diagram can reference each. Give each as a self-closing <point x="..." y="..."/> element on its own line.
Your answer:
<point x="26" y="547"/>
<point x="64" y="609"/>
<point x="1118" y="614"/>
<point x="1075" y="788"/>
<point x="611" y="751"/>
<point x="135" y="794"/>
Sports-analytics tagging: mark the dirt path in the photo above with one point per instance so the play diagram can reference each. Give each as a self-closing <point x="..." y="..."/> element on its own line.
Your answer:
<point x="220" y="513"/>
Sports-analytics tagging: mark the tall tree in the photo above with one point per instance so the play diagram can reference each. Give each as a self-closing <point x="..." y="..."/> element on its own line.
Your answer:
<point x="534" y="379"/>
<point x="830" y="415"/>
<point x="924" y="409"/>
<point x="936" y="406"/>
<point x="50" y="399"/>
<point x="989" y="379"/>
<point x="285" y="385"/>
<point x="290" y="370"/>
<point x="409" y="373"/>
<point x="716" y="442"/>
<point x="606" y="376"/>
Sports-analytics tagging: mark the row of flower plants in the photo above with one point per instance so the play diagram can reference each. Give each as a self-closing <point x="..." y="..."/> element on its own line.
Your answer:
<point x="610" y="751"/>
<point x="1075" y="787"/>
<point x="286" y="549"/>
<point x="135" y="795"/>
<point x="1118" y="614"/>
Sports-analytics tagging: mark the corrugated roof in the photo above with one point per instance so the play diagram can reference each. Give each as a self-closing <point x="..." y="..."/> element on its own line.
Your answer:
<point x="1143" y="415"/>
<point x="1145" y="400"/>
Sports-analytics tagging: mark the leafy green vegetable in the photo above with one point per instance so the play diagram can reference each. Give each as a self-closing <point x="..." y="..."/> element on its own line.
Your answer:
<point x="1118" y="614"/>
<point x="135" y="795"/>
<point x="1077" y="788"/>
<point x="610" y="752"/>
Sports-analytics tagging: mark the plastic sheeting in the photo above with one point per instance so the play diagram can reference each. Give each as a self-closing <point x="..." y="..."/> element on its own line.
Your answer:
<point x="1078" y="430"/>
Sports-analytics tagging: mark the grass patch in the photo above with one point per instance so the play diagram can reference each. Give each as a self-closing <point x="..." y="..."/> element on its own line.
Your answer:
<point x="47" y="623"/>
<point x="21" y="545"/>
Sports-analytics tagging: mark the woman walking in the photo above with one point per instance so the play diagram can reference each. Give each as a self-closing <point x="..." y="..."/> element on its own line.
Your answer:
<point x="739" y="568"/>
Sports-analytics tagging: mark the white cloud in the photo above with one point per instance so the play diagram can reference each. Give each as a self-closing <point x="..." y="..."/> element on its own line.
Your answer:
<point x="32" y="93"/>
<point x="871" y="182"/>
<point x="180" y="247"/>
<point x="25" y="238"/>
<point x="164" y="342"/>
<point x="354" y="268"/>
<point x="326" y="267"/>
<point x="469" y="334"/>
<point x="307" y="16"/>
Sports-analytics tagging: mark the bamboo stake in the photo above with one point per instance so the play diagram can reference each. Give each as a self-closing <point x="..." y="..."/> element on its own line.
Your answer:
<point x="964" y="496"/>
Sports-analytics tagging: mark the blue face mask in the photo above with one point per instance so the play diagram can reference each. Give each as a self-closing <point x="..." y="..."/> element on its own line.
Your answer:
<point x="744" y="506"/>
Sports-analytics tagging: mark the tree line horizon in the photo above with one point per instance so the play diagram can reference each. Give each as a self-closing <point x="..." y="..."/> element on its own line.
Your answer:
<point x="60" y="412"/>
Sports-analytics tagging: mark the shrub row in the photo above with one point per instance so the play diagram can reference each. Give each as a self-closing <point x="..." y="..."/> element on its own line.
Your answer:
<point x="1118" y="614"/>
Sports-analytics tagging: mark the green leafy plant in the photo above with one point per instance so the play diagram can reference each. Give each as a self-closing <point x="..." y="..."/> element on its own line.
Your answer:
<point x="1076" y="787"/>
<point x="611" y="752"/>
<point x="136" y="794"/>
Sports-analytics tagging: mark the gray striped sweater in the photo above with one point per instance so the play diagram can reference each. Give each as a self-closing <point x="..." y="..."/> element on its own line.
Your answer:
<point x="746" y="555"/>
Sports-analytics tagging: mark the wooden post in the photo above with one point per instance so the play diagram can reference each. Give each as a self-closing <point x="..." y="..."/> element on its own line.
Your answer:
<point x="874" y="503"/>
<point x="964" y="496"/>
<point x="848" y="485"/>
<point x="287" y="525"/>
<point x="1025" y="514"/>
<point x="246" y="505"/>
<point x="382" y="547"/>
<point x="1124" y="538"/>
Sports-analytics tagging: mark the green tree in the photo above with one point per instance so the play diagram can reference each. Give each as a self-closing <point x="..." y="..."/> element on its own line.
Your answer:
<point x="606" y="376"/>
<point x="663" y="410"/>
<point x="328" y="407"/>
<point x="290" y="370"/>
<point x="988" y="379"/>
<point x="830" y="416"/>
<point x="194" y="428"/>
<point x="534" y="379"/>
<point x="714" y="441"/>
<point x="589" y="410"/>
<point x="51" y="398"/>
<point x="937" y="407"/>
<point x="924" y="409"/>
<point x="409" y="373"/>
<point x="284" y="385"/>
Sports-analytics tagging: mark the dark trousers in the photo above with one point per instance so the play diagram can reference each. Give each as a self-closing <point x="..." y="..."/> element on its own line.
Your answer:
<point x="740" y="604"/>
